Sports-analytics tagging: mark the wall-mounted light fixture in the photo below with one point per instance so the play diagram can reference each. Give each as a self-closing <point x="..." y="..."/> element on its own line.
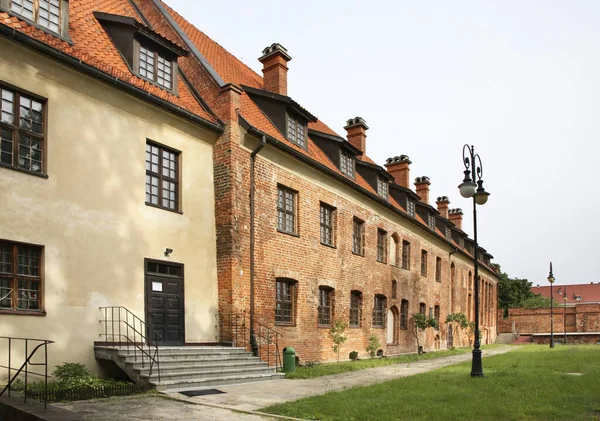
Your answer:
<point x="168" y="251"/>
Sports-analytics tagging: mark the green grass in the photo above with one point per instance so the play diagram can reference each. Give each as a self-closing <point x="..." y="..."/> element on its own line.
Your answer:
<point x="343" y="367"/>
<point x="530" y="383"/>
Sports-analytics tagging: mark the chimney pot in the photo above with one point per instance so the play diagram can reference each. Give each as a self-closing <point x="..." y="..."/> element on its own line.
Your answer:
<point x="399" y="168"/>
<point x="422" y="186"/>
<point x="357" y="133"/>
<point x="455" y="216"/>
<point x="274" y="60"/>
<point x="442" y="203"/>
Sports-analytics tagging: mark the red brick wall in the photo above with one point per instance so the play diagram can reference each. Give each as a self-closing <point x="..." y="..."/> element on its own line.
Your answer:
<point x="579" y="318"/>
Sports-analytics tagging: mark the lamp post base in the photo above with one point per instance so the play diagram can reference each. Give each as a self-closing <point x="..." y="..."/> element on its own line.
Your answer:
<point x="476" y="365"/>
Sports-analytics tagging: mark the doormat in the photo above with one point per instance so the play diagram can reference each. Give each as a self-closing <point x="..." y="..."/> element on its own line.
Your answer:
<point x="192" y="393"/>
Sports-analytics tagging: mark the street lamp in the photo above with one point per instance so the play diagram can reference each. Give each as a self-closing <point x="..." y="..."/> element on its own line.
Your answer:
<point x="473" y="187"/>
<point x="551" y="280"/>
<point x="565" y="315"/>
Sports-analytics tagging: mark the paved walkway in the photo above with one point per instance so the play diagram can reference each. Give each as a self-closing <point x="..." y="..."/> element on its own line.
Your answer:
<point x="250" y="397"/>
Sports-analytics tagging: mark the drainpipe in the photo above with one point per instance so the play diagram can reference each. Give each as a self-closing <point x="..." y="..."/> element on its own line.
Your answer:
<point x="253" y="343"/>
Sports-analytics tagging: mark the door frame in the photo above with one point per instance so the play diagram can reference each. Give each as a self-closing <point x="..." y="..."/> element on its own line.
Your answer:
<point x="147" y="296"/>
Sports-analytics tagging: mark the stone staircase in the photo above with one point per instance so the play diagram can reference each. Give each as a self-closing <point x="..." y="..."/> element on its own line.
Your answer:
<point x="190" y="367"/>
<point x="505" y="338"/>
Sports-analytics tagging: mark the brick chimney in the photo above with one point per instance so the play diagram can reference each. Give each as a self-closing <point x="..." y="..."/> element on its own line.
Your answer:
<point x="357" y="133"/>
<point x="274" y="60"/>
<point x="399" y="168"/>
<point x="455" y="216"/>
<point x="422" y="186"/>
<point x="442" y="203"/>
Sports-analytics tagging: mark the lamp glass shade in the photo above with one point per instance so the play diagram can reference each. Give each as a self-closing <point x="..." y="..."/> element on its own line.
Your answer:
<point x="551" y="279"/>
<point x="467" y="189"/>
<point x="481" y="197"/>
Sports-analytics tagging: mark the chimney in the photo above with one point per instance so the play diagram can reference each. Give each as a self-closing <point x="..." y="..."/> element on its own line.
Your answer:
<point x="455" y="216"/>
<point x="422" y="185"/>
<point x="357" y="133"/>
<point x="442" y="205"/>
<point x="399" y="168"/>
<point x="274" y="60"/>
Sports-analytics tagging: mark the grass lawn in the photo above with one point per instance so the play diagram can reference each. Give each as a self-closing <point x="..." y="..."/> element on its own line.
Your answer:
<point x="530" y="383"/>
<point x="343" y="367"/>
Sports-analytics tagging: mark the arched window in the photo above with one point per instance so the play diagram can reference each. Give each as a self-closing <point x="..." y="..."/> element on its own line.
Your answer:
<point x="404" y="314"/>
<point x="394" y="289"/>
<point x="452" y="286"/>
<point x="395" y="250"/>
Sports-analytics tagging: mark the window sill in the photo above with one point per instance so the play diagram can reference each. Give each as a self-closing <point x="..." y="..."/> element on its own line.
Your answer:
<point x="382" y="261"/>
<point x="354" y="327"/>
<point x="358" y="254"/>
<point x="378" y="327"/>
<point x="293" y="234"/>
<point x="40" y="313"/>
<point x="329" y="245"/>
<point x="11" y="167"/>
<point x="323" y="326"/>
<point x="285" y="324"/>
<point x="152" y="205"/>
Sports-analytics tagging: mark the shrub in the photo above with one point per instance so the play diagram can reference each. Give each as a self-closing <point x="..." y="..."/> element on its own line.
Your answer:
<point x="70" y="371"/>
<point x="353" y="355"/>
<point x="374" y="345"/>
<point x="336" y="333"/>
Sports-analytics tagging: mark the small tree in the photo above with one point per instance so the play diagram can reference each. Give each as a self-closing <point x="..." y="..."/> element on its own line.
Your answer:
<point x="374" y="345"/>
<point x="419" y="323"/>
<point x="458" y="321"/>
<point x="337" y="335"/>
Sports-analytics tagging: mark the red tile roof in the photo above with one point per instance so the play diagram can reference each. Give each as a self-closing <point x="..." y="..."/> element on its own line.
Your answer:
<point x="587" y="292"/>
<point x="91" y="45"/>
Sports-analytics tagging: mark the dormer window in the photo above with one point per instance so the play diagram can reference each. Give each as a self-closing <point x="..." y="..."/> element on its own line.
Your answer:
<point x="410" y="207"/>
<point x="155" y="68"/>
<point x="431" y="222"/>
<point x="448" y="234"/>
<point x="46" y="13"/>
<point x="296" y="131"/>
<point x="347" y="164"/>
<point x="382" y="187"/>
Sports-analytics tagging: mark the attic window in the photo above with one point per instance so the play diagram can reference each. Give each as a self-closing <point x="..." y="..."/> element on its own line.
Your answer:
<point x="382" y="187"/>
<point x="155" y="67"/>
<point x="431" y="222"/>
<point x="46" y="13"/>
<point x="347" y="164"/>
<point x="296" y="131"/>
<point x="410" y="207"/>
<point x="448" y="233"/>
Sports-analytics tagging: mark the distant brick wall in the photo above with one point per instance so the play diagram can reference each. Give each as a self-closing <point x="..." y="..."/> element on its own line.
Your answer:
<point x="578" y="318"/>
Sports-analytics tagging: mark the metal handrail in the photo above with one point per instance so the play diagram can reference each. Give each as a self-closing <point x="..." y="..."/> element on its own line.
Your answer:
<point x="125" y="333"/>
<point x="26" y="364"/>
<point x="234" y="328"/>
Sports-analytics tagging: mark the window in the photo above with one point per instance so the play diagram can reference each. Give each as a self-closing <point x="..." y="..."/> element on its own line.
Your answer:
<point x="20" y="277"/>
<point x="423" y="263"/>
<point x="422" y="308"/>
<point x="22" y="131"/>
<point x="431" y="222"/>
<point x="355" y="308"/>
<point x="162" y="177"/>
<point x="325" y="306"/>
<point x="347" y="164"/>
<point x="382" y="187"/>
<point x="379" y="305"/>
<point x="358" y="237"/>
<point x="155" y="68"/>
<point x="296" y="131"/>
<point x="448" y="234"/>
<point x="404" y="314"/>
<point x="286" y="210"/>
<point x="436" y="315"/>
<point x="438" y="269"/>
<point x="46" y="13"/>
<point x="381" y="245"/>
<point x="410" y="207"/>
<point x="405" y="255"/>
<point x="394" y="289"/>
<point x="284" y="302"/>
<point x="327" y="214"/>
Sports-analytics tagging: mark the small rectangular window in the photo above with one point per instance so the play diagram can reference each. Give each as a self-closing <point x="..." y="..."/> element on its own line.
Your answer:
<point x="296" y="131"/>
<point x="436" y="315"/>
<point x="379" y="305"/>
<point x="438" y="269"/>
<point x="358" y="236"/>
<point x="155" y="68"/>
<point x="325" y="307"/>
<point x="46" y="13"/>
<point x="431" y="222"/>
<point x="286" y="210"/>
<point x="347" y="164"/>
<point x="422" y="308"/>
<point x="355" y="306"/>
<point x="381" y="245"/>
<point x="448" y="234"/>
<point x="284" y="302"/>
<point x="404" y="314"/>
<point x="382" y="187"/>
<point x="162" y="177"/>
<point x="405" y="255"/>
<point x="410" y="207"/>
<point x="423" y="263"/>
<point x="327" y="224"/>
<point x="20" y="277"/>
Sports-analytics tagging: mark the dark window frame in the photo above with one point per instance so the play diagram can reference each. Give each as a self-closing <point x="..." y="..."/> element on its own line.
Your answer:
<point x="161" y="178"/>
<point x="404" y="314"/>
<point x="325" y="307"/>
<point x="14" y="278"/>
<point x="382" y="247"/>
<point x="283" y="211"/>
<point x="422" y="309"/>
<point x="436" y="316"/>
<point x="347" y="164"/>
<point x="291" y="120"/>
<point x="358" y="236"/>
<point x="327" y="216"/>
<point x="394" y="289"/>
<point x="285" y="299"/>
<point x="17" y="132"/>
<point x="431" y="222"/>
<point x="410" y="207"/>
<point x="423" y="262"/>
<point x="405" y="255"/>
<point x="438" y="269"/>
<point x="355" y="314"/>
<point x="379" y="311"/>
<point x="137" y="55"/>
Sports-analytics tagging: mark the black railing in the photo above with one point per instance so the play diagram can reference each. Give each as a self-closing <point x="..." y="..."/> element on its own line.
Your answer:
<point x="234" y="329"/>
<point x="87" y="392"/>
<point x="123" y="329"/>
<point x="28" y="343"/>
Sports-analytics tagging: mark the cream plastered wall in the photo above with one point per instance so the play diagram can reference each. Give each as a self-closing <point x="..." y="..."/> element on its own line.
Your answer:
<point x="90" y="213"/>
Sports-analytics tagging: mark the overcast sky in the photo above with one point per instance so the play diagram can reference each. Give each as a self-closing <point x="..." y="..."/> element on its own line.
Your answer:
<point x="520" y="80"/>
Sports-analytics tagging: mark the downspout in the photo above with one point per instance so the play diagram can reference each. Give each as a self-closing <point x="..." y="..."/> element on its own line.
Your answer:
<point x="253" y="343"/>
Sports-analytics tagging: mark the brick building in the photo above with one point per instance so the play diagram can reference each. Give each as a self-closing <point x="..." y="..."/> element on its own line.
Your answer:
<point x="575" y="293"/>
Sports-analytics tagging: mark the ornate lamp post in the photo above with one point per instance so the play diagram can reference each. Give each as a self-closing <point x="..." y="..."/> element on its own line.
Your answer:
<point x="473" y="187"/>
<point x="551" y="280"/>
<point x="565" y="316"/>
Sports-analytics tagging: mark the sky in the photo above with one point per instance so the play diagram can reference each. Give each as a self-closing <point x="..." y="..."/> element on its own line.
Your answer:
<point x="519" y="80"/>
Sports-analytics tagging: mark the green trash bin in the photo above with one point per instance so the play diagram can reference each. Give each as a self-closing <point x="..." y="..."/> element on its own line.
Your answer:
<point x="289" y="359"/>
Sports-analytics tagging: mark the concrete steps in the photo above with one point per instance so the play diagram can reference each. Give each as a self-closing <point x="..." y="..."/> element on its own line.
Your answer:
<point x="505" y="338"/>
<point x="183" y="368"/>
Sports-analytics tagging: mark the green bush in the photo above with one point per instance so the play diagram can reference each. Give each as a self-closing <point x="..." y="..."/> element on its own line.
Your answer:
<point x="70" y="371"/>
<point x="374" y="345"/>
<point x="354" y="355"/>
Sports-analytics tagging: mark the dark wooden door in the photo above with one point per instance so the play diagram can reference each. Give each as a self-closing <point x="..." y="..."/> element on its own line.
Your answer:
<point x="165" y="302"/>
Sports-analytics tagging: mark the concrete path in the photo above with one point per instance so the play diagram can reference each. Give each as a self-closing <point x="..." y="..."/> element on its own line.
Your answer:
<point x="253" y="396"/>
